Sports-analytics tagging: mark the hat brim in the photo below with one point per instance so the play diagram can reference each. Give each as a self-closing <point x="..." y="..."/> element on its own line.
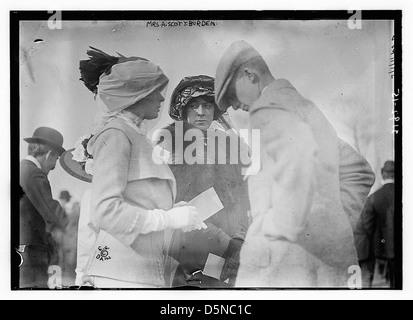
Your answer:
<point x="53" y="145"/>
<point x="221" y="100"/>
<point x="73" y="167"/>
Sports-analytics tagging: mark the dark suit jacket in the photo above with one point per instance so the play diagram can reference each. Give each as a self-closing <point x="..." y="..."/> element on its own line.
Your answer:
<point x="38" y="211"/>
<point x="374" y="234"/>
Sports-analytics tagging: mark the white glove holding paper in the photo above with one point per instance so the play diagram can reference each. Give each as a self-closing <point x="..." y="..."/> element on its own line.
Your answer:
<point x="207" y="204"/>
<point x="186" y="216"/>
<point x="182" y="216"/>
<point x="196" y="226"/>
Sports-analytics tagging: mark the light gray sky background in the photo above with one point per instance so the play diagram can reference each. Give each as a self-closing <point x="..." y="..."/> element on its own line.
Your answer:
<point x="343" y="71"/>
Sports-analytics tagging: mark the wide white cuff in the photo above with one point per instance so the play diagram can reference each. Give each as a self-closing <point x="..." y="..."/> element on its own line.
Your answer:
<point x="155" y="221"/>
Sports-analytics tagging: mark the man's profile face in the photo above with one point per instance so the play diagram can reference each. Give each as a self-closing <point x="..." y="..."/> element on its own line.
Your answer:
<point x="247" y="91"/>
<point x="230" y="98"/>
<point x="242" y="92"/>
<point x="50" y="162"/>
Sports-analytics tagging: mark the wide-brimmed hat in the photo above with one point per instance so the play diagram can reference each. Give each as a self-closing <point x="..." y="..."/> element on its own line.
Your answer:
<point x="130" y="82"/>
<point x="120" y="82"/>
<point x="189" y="88"/>
<point x="47" y="136"/>
<point x="74" y="168"/>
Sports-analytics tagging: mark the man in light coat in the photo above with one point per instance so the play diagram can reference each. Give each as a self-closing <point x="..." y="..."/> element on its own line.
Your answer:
<point x="310" y="190"/>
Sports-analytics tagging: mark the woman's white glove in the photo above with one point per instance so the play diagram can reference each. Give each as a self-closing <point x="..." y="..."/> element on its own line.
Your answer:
<point x="181" y="216"/>
<point x="178" y="217"/>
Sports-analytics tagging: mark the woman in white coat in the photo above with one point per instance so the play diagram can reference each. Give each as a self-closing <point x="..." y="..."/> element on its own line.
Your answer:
<point x="132" y="196"/>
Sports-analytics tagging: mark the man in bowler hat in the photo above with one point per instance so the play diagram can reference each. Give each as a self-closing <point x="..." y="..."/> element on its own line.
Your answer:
<point x="311" y="187"/>
<point x="39" y="212"/>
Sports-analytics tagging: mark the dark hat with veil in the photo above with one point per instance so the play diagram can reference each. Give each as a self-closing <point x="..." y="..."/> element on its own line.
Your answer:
<point x="189" y="88"/>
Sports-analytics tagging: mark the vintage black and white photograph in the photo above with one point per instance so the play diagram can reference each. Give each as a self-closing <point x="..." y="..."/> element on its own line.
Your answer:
<point x="206" y="150"/>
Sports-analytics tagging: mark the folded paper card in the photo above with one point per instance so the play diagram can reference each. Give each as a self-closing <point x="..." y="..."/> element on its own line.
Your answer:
<point x="207" y="203"/>
<point x="213" y="266"/>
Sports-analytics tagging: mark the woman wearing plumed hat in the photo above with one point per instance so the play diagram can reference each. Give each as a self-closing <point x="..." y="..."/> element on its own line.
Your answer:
<point x="193" y="107"/>
<point x="131" y="197"/>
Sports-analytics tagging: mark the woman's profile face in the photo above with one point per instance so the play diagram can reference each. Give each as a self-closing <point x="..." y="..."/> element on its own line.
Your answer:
<point x="148" y="107"/>
<point x="200" y="112"/>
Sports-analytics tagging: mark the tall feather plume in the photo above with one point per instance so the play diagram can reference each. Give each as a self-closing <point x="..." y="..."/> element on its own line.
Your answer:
<point x="90" y="70"/>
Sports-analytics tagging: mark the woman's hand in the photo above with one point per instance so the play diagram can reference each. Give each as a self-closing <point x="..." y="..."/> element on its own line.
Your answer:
<point x="181" y="204"/>
<point x="196" y="226"/>
<point x="185" y="217"/>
